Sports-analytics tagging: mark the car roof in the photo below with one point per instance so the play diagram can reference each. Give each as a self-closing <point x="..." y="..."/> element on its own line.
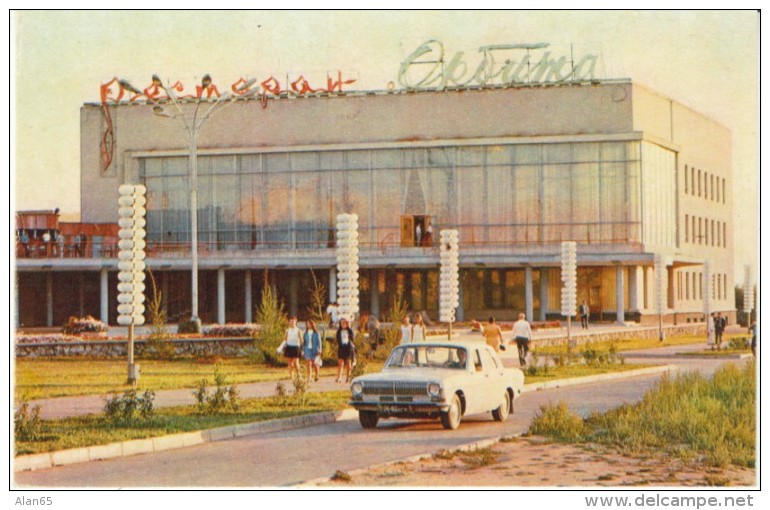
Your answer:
<point x="446" y="343"/>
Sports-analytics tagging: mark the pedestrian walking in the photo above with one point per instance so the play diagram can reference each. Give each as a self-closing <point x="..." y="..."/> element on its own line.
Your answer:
<point x="585" y="313"/>
<point x="418" y="329"/>
<point x="720" y="323"/>
<point x="293" y="344"/>
<point x="346" y="351"/>
<point x="753" y="332"/>
<point x="522" y="333"/>
<point x="406" y="330"/>
<point x="494" y="335"/>
<point x="312" y="349"/>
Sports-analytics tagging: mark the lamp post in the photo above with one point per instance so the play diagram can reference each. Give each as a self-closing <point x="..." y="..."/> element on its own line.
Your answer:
<point x="193" y="121"/>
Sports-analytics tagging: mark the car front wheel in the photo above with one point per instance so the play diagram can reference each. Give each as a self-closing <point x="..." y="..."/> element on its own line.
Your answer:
<point x="368" y="419"/>
<point x="501" y="413"/>
<point x="451" y="418"/>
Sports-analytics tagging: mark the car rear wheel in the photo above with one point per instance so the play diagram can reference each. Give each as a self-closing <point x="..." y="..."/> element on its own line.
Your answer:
<point x="501" y="413"/>
<point x="368" y="419"/>
<point x="451" y="418"/>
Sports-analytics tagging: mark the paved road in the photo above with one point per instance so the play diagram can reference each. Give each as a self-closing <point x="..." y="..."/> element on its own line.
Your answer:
<point x="290" y="457"/>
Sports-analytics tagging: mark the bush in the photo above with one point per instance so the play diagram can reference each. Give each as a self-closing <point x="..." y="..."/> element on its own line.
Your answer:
<point x="129" y="408"/>
<point x="557" y="422"/>
<point x="224" y="398"/>
<point x="231" y="330"/>
<point x="188" y="326"/>
<point x="87" y="324"/>
<point x="272" y="325"/>
<point x="27" y="424"/>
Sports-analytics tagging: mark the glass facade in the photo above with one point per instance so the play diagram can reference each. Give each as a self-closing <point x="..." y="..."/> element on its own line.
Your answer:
<point x="494" y="194"/>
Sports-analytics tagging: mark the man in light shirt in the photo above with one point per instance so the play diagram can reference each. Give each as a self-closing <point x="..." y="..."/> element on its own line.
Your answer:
<point x="522" y="333"/>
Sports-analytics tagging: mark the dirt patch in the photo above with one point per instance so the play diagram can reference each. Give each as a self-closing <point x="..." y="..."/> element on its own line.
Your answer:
<point x="535" y="462"/>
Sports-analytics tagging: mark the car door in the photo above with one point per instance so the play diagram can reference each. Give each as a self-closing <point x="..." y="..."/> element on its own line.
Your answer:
<point x="493" y="381"/>
<point x="476" y="384"/>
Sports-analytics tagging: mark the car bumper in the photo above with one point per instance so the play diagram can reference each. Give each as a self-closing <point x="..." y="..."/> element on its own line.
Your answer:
<point x="402" y="409"/>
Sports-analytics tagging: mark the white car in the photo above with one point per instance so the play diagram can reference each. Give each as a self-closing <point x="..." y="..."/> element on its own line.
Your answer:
<point x="436" y="379"/>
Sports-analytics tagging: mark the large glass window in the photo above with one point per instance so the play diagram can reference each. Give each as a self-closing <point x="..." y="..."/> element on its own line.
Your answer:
<point x="494" y="194"/>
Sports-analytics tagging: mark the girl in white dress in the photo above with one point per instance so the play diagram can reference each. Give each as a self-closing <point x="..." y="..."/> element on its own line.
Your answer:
<point x="406" y="331"/>
<point x="418" y="329"/>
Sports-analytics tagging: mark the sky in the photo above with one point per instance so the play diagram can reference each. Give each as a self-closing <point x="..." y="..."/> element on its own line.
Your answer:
<point x="707" y="60"/>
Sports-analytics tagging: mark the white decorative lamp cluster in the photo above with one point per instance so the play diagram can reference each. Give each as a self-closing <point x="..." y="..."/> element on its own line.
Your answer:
<point x="748" y="293"/>
<point x="449" y="284"/>
<point x="569" y="285"/>
<point x="131" y="264"/>
<point x="347" y="266"/>
<point x="568" y="278"/>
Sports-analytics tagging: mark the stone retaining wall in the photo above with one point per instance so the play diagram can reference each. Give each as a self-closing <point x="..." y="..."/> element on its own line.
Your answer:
<point x="229" y="347"/>
<point x="581" y="338"/>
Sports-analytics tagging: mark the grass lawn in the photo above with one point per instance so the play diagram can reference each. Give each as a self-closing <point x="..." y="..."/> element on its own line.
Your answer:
<point x="60" y="377"/>
<point x="95" y="429"/>
<point x="569" y="371"/>
<point x="626" y="345"/>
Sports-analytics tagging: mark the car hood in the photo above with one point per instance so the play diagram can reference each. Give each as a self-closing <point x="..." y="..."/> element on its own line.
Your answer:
<point x="413" y="375"/>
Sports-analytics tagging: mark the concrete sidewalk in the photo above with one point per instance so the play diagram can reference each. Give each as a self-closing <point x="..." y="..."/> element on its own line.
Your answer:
<point x="63" y="407"/>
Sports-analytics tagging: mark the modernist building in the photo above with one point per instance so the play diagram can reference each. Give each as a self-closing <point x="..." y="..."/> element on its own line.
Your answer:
<point x="618" y="168"/>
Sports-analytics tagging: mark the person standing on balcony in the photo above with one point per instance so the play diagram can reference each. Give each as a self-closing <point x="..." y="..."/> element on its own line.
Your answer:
<point x="427" y="240"/>
<point x="60" y="243"/>
<point x="418" y="329"/>
<point x="417" y="235"/>
<point x="24" y="238"/>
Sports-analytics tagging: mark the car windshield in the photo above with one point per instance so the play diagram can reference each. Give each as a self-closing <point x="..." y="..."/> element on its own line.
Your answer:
<point x="408" y="356"/>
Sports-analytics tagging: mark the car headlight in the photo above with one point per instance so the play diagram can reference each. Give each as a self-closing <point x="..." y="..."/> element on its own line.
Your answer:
<point x="357" y="388"/>
<point x="434" y="389"/>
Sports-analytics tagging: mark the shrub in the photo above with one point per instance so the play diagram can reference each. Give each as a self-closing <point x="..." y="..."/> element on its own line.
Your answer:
<point x="224" y="398"/>
<point x="47" y="339"/>
<point x="272" y="325"/>
<point x="188" y="326"/>
<point x="87" y="324"/>
<point x="27" y="424"/>
<point x="392" y="333"/>
<point x="557" y="422"/>
<point x="159" y="344"/>
<point x="231" y="330"/>
<point x="129" y="408"/>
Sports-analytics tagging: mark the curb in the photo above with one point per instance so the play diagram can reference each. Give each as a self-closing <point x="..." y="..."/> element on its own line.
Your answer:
<point x="183" y="440"/>
<point x="173" y="441"/>
<point x="599" y="377"/>
<point x="483" y="443"/>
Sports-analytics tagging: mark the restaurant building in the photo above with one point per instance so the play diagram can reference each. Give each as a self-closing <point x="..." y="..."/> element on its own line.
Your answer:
<point x="622" y="170"/>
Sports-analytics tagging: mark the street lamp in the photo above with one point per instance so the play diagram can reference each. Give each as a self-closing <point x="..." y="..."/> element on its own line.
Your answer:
<point x="193" y="121"/>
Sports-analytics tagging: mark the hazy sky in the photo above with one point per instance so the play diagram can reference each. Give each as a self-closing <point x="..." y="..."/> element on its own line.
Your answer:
<point x="707" y="60"/>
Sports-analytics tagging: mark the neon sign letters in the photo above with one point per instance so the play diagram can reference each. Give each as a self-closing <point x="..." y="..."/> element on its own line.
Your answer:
<point x="426" y="68"/>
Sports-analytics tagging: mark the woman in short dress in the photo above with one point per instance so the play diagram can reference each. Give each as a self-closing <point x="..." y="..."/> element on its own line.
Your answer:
<point x="406" y="331"/>
<point x="345" y="349"/>
<point x="418" y="329"/>
<point x="291" y="351"/>
<point x="311" y="347"/>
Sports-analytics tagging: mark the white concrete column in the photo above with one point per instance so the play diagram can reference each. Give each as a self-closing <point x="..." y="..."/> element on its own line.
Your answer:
<point x="635" y="288"/>
<point x="49" y="299"/>
<point x="164" y="290"/>
<point x="619" y="291"/>
<point x="247" y="297"/>
<point x="543" y="292"/>
<point x="528" y="296"/>
<point x="375" y="292"/>
<point x="104" y="296"/>
<point x="81" y="295"/>
<point x="293" y="293"/>
<point x="333" y="284"/>
<point x="221" y="295"/>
